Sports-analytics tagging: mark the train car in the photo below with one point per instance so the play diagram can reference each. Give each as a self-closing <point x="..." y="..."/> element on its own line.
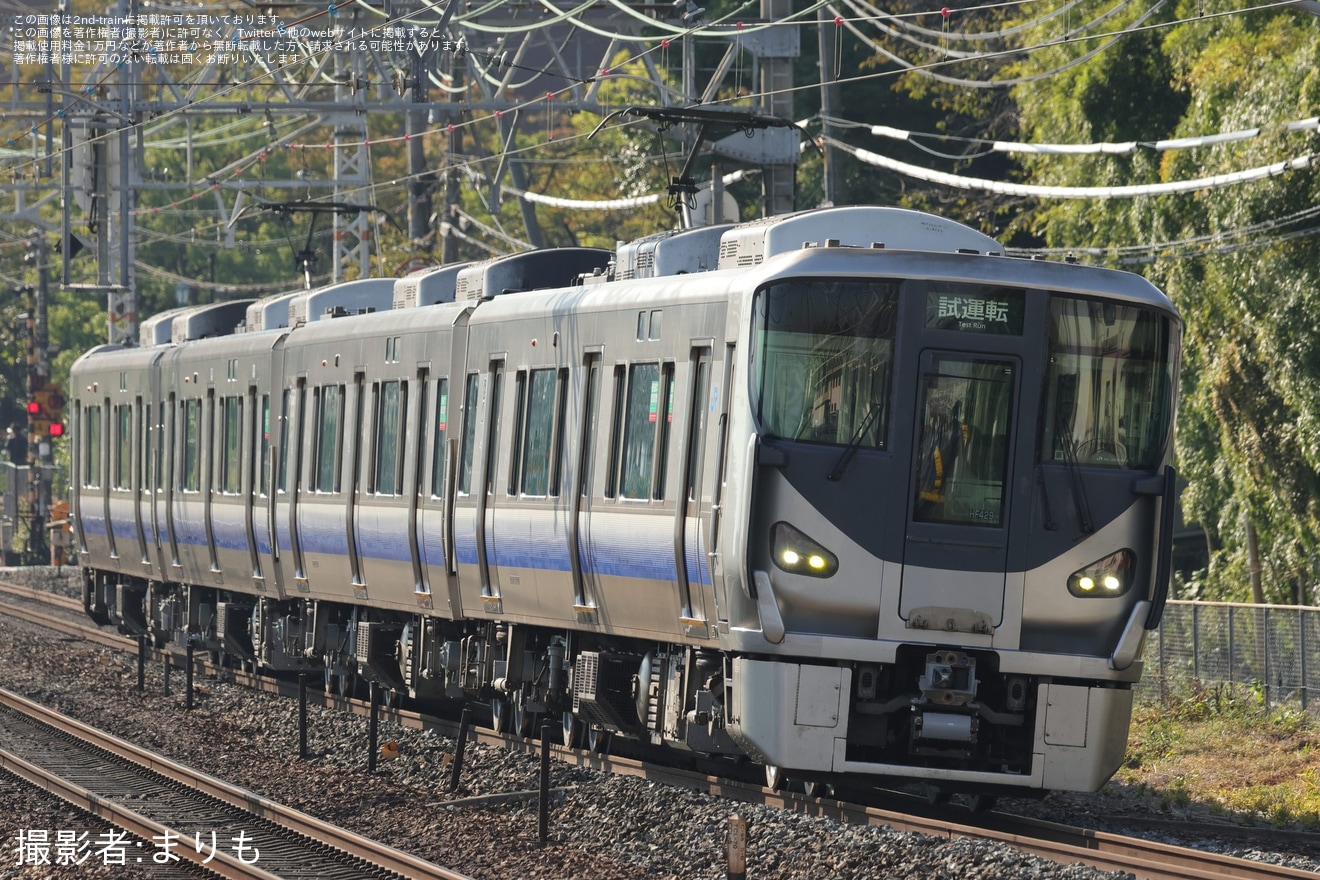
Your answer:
<point x="848" y="492"/>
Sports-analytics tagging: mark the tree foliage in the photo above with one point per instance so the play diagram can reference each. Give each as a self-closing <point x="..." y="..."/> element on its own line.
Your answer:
<point x="1249" y="425"/>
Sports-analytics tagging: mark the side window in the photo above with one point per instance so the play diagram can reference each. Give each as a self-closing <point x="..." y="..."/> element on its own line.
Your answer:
<point x="390" y="407"/>
<point x="666" y="422"/>
<point x="641" y="415"/>
<point x="616" y="431"/>
<point x="190" y="472"/>
<point x="469" y="433"/>
<point x="123" y="475"/>
<point x="441" y="426"/>
<point x="282" y="479"/>
<point x="493" y="434"/>
<point x="231" y="423"/>
<point x="329" y="429"/>
<point x="262" y="436"/>
<point x="92" y="448"/>
<point x="146" y="451"/>
<point x="539" y="434"/>
<point x="516" y="462"/>
<point x="157" y="451"/>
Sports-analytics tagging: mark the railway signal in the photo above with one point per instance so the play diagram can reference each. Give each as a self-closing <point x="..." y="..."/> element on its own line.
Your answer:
<point x="46" y="411"/>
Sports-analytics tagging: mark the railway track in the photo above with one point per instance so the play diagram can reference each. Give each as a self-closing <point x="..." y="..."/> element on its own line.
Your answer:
<point x="1059" y="843"/>
<point x="186" y="814"/>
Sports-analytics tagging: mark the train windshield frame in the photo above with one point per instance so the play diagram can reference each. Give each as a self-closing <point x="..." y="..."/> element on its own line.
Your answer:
<point x="1108" y="384"/>
<point x="823" y="360"/>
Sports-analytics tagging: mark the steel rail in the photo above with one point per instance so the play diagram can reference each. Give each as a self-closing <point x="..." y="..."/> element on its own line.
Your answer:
<point x="378" y="854"/>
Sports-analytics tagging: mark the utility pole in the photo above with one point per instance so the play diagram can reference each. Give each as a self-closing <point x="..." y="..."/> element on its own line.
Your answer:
<point x="779" y="180"/>
<point x="826" y="31"/>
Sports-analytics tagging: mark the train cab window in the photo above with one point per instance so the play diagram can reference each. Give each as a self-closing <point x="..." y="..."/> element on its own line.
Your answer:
<point x="966" y="409"/>
<point x="467" y="455"/>
<point x="328" y="437"/>
<point x="123" y="475"/>
<point x="91" y="447"/>
<point x="823" y="360"/>
<point x="1108" y="389"/>
<point x="190" y="473"/>
<point x="441" y="426"/>
<point x="391" y="404"/>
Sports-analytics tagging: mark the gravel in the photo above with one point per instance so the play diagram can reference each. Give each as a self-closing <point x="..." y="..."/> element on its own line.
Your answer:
<point x="601" y="827"/>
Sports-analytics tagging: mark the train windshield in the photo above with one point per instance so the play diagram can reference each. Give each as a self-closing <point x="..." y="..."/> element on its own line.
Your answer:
<point x="824" y="359"/>
<point x="1108" y="389"/>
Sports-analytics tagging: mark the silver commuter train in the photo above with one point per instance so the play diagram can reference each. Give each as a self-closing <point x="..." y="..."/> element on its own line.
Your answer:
<point x="848" y="492"/>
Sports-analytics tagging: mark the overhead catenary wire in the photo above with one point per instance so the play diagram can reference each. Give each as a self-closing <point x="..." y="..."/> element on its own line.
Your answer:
<point x="957" y="181"/>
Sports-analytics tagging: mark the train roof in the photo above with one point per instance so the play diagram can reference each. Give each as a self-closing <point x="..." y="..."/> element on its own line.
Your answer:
<point x="270" y="312"/>
<point x="427" y="287"/>
<point x="346" y="298"/>
<point x="750" y="244"/>
<point x="529" y="270"/>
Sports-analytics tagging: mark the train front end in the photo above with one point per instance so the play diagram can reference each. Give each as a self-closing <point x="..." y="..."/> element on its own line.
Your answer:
<point x="948" y="520"/>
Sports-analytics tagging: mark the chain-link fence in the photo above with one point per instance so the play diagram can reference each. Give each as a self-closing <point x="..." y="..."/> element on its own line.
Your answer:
<point x="1275" y="648"/>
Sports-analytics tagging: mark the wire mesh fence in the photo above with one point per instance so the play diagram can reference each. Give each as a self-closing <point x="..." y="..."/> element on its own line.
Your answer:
<point x="1275" y="648"/>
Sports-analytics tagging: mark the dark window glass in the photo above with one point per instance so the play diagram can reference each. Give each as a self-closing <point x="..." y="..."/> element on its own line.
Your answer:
<point x="539" y="434"/>
<point x="190" y="476"/>
<point x="389" y="438"/>
<point x="123" y="447"/>
<point x="1108" y="391"/>
<point x="231" y="417"/>
<point x="493" y="435"/>
<point x="263" y="447"/>
<point x="92" y="448"/>
<point x="283" y="479"/>
<point x="469" y="433"/>
<point x="441" y="426"/>
<point x="966" y="410"/>
<point x="329" y="419"/>
<point x="824" y="353"/>
<point x="639" y="433"/>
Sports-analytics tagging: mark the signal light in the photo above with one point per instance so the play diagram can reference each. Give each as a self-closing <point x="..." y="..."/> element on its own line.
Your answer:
<point x="34" y="408"/>
<point x="56" y="429"/>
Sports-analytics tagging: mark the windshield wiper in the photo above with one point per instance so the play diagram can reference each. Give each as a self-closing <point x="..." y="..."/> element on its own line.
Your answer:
<point x="842" y="463"/>
<point x="1078" y="487"/>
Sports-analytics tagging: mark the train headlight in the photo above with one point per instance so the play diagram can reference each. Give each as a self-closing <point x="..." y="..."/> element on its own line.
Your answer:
<point x="1108" y="577"/>
<point x="795" y="553"/>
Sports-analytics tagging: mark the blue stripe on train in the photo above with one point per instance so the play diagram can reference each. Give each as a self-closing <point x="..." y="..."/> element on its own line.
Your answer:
<point x="622" y="544"/>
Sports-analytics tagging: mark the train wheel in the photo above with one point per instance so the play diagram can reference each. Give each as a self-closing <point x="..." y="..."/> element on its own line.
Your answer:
<point x="499" y="714"/>
<point x="982" y="803"/>
<point x="524" y="722"/>
<point x="775" y="780"/>
<point x="815" y="789"/>
<point x="345" y="683"/>
<point x="598" y="741"/>
<point x="572" y="736"/>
